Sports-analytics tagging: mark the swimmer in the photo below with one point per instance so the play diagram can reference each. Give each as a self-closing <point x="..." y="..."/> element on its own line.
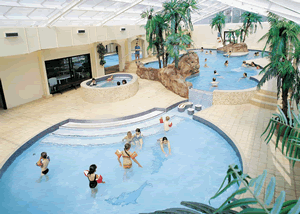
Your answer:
<point x="205" y="60"/>
<point x="226" y="63"/>
<point x="109" y="79"/>
<point x="93" y="82"/>
<point x="206" y="52"/>
<point x="127" y="156"/>
<point x="253" y="64"/>
<point x="259" y="67"/>
<point x="244" y="76"/>
<point x="214" y="83"/>
<point x="244" y="64"/>
<point x="43" y="163"/>
<point x="164" y="142"/>
<point x="128" y="138"/>
<point x="256" y="54"/>
<point x="210" y="52"/>
<point x="118" y="83"/>
<point x="93" y="179"/>
<point x="138" y="136"/>
<point x="201" y="49"/>
<point x="124" y="82"/>
<point x="206" y="66"/>
<point x="167" y="124"/>
<point x="216" y="73"/>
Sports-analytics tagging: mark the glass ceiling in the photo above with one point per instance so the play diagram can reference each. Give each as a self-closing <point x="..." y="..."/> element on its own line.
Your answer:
<point x="41" y="13"/>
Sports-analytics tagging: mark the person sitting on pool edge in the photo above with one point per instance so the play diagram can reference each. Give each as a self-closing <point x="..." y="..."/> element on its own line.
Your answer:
<point x="214" y="83"/>
<point x="118" y="83"/>
<point x="244" y="76"/>
<point x="124" y="82"/>
<point x="93" y="82"/>
<point x="164" y="142"/>
<point x="226" y="63"/>
<point x="109" y="79"/>
<point x="217" y="74"/>
<point x="256" y="53"/>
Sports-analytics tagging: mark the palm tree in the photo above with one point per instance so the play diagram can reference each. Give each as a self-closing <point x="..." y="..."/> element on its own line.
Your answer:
<point x="282" y="38"/>
<point x="218" y="23"/>
<point x="250" y="21"/>
<point x="154" y="32"/>
<point x="176" y="42"/>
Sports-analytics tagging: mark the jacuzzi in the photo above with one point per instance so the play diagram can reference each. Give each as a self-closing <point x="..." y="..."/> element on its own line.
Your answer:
<point x="106" y="92"/>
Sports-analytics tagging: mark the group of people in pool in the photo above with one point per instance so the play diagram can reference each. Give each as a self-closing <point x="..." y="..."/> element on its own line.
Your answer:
<point x="214" y="82"/>
<point x="126" y="154"/>
<point x="109" y="79"/>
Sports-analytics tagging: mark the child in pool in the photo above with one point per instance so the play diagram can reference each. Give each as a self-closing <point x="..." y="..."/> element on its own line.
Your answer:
<point x="206" y="52"/>
<point x="226" y="63"/>
<point x="210" y="52"/>
<point x="229" y="54"/>
<point x="244" y="76"/>
<point x="166" y="123"/>
<point x="214" y="83"/>
<point x="164" y="142"/>
<point x="216" y="73"/>
<point x="205" y="60"/>
<point x="43" y="163"/>
<point x="244" y="64"/>
<point x="138" y="136"/>
<point x="256" y="54"/>
<point x="206" y="66"/>
<point x="94" y="179"/>
<point x="128" y="138"/>
<point x="93" y="82"/>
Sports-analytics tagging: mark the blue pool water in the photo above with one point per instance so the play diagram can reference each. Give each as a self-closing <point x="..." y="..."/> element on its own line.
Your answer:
<point x="105" y="84"/>
<point x="194" y="172"/>
<point x="231" y="74"/>
<point x="113" y="59"/>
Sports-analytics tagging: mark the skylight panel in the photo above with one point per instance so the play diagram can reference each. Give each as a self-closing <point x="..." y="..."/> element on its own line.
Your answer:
<point x="104" y="4"/>
<point x="41" y="12"/>
<point x="88" y="14"/>
<point x="19" y="12"/>
<point x="74" y="13"/>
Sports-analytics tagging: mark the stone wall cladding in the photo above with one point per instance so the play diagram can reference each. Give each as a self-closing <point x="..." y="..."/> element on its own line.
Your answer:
<point x="233" y="97"/>
<point x="109" y="94"/>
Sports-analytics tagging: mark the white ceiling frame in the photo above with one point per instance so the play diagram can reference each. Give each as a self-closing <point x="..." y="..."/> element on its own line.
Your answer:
<point x="29" y="6"/>
<point x="269" y="6"/>
<point x="120" y="12"/>
<point x="295" y="6"/>
<point x="211" y="13"/>
<point x="63" y="12"/>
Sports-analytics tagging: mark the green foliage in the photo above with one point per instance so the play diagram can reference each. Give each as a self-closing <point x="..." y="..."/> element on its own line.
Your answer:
<point x="254" y="187"/>
<point x="282" y="38"/>
<point x="250" y="22"/>
<point x="101" y="51"/>
<point x="289" y="129"/>
<point x="218" y="23"/>
<point x="175" y="43"/>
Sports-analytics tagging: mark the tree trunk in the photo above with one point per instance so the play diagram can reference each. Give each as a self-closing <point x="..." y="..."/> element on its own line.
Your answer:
<point x="223" y="40"/>
<point x="246" y="30"/>
<point x="157" y="55"/>
<point x="284" y="98"/>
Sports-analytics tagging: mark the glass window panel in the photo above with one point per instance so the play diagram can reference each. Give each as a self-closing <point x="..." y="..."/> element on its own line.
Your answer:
<point x="19" y="11"/>
<point x="31" y="1"/>
<point x="227" y="13"/>
<point x="4" y="9"/>
<point x="41" y="12"/>
<point x="236" y="15"/>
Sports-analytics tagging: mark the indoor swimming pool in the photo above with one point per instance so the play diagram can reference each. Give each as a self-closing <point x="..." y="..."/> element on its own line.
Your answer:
<point x="193" y="172"/>
<point x="229" y="76"/>
<point x="113" y="59"/>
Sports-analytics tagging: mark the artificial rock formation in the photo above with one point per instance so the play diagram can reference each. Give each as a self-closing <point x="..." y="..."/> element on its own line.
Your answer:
<point x="172" y="78"/>
<point x="239" y="47"/>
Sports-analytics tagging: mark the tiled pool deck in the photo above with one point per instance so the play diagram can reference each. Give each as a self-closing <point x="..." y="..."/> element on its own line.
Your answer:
<point x="244" y="123"/>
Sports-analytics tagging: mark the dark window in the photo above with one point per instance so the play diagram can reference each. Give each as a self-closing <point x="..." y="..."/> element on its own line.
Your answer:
<point x="67" y="71"/>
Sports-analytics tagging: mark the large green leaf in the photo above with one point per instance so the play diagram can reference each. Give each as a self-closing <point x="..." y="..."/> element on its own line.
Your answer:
<point x="225" y="188"/>
<point x="198" y="206"/>
<point x="270" y="191"/>
<point x="238" y="192"/>
<point x="259" y="183"/>
<point x="253" y="211"/>
<point x="238" y="203"/>
<point x="296" y="208"/>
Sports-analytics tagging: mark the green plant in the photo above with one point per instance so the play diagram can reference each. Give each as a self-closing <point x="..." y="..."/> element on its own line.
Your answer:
<point x="218" y="23"/>
<point x="177" y="42"/>
<point x="282" y="38"/>
<point x="253" y="186"/>
<point x="101" y="51"/>
<point x="290" y="130"/>
<point x="250" y="21"/>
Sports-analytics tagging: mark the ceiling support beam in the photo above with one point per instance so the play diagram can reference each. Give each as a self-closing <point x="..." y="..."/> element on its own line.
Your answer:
<point x="120" y="12"/>
<point x="65" y="10"/>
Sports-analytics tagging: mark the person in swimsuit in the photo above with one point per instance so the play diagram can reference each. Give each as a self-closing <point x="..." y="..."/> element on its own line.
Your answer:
<point x="167" y="123"/>
<point x="206" y="52"/>
<point x="206" y="66"/>
<point x="109" y="79"/>
<point x="217" y="74"/>
<point x="210" y="52"/>
<point x="127" y="156"/>
<point x="244" y="64"/>
<point x="94" y="179"/>
<point x="244" y="76"/>
<point x="164" y="142"/>
<point x="226" y="63"/>
<point x="214" y="83"/>
<point x="201" y="49"/>
<point x="128" y="138"/>
<point x="124" y="82"/>
<point x="43" y="163"/>
<point x="138" y="137"/>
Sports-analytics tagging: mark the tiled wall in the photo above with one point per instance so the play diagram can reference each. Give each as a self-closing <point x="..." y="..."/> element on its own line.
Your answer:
<point x="236" y="97"/>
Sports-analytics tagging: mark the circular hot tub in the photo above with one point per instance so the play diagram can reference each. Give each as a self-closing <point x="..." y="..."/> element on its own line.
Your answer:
<point x="106" y="92"/>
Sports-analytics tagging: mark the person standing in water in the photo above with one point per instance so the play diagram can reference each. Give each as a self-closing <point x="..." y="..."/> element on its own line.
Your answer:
<point x="165" y="142"/>
<point x="137" y="51"/>
<point x="167" y="123"/>
<point x="94" y="179"/>
<point x="128" y="138"/>
<point x="127" y="156"/>
<point x="43" y="163"/>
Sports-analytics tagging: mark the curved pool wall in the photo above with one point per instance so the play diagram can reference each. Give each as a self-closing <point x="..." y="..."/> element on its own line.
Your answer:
<point x="100" y="95"/>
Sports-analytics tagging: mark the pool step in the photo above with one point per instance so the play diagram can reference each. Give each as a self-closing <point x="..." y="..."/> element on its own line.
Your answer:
<point x="91" y="125"/>
<point x="266" y="98"/>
